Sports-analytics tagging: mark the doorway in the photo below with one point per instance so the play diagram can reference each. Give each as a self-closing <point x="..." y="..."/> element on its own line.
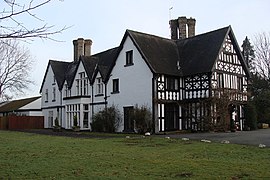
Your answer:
<point x="128" y="120"/>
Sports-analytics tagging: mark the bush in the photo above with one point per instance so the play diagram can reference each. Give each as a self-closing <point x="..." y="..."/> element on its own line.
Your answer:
<point x="56" y="122"/>
<point x="143" y="119"/>
<point x="250" y="116"/>
<point x="107" y="120"/>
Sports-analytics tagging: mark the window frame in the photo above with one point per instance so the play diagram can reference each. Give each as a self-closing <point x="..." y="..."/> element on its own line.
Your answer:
<point x="99" y="87"/>
<point x="46" y="95"/>
<point x="115" y="86"/>
<point x="129" y="58"/>
<point x="54" y="94"/>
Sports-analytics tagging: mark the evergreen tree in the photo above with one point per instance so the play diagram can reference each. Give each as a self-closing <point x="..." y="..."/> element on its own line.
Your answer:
<point x="248" y="53"/>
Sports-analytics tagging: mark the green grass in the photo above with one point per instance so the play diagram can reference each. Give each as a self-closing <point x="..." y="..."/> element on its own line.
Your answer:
<point x="31" y="156"/>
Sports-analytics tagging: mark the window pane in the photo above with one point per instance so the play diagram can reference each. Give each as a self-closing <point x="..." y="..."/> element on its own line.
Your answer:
<point x="129" y="57"/>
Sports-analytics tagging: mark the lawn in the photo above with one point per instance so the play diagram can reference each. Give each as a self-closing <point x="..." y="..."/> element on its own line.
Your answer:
<point x="31" y="156"/>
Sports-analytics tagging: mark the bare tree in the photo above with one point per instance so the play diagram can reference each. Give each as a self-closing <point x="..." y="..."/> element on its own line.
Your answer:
<point x="15" y="66"/>
<point x="12" y="27"/>
<point x="262" y="54"/>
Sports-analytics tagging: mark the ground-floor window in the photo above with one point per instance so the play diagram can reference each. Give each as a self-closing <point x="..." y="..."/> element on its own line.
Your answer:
<point x="72" y="111"/>
<point x="50" y="119"/>
<point x="85" y="116"/>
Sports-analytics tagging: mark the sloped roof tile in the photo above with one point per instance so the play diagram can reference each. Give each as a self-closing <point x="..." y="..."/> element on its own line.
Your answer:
<point x="16" y="104"/>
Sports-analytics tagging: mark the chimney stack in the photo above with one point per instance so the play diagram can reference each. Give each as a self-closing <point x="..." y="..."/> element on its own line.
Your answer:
<point x="82" y="47"/>
<point x="174" y="31"/>
<point x="191" y="27"/>
<point x="182" y="25"/>
<point x="182" y="28"/>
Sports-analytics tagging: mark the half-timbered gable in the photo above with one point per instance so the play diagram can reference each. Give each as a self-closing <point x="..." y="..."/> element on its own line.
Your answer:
<point x="230" y="72"/>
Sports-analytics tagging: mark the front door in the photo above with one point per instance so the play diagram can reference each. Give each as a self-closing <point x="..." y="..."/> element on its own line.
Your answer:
<point x="171" y="117"/>
<point x="128" y="120"/>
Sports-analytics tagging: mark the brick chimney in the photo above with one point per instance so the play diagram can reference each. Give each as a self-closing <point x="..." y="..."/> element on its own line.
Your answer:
<point x="182" y="28"/>
<point x="191" y="27"/>
<point x="174" y="30"/>
<point x="82" y="47"/>
<point x="182" y="25"/>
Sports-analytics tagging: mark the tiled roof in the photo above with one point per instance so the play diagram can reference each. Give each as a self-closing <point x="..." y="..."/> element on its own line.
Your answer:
<point x="16" y="104"/>
<point x="183" y="57"/>
<point x="59" y="69"/>
<point x="194" y="55"/>
<point x="106" y="61"/>
<point x="160" y="54"/>
<point x="199" y="53"/>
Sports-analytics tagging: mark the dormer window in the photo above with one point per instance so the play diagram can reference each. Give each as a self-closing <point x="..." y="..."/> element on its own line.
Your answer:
<point x="129" y="58"/>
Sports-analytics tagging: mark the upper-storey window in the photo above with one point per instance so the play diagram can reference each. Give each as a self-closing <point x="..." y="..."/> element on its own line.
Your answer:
<point x="82" y="84"/>
<point x="115" y="86"/>
<point x="66" y="90"/>
<point x="99" y="89"/>
<point x="54" y="80"/>
<point x="54" y="94"/>
<point x="172" y="84"/>
<point x="46" y="95"/>
<point x="129" y="58"/>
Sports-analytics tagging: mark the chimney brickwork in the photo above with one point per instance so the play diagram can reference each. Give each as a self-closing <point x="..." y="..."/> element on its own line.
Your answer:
<point x="191" y="27"/>
<point x="174" y="31"/>
<point x="182" y="28"/>
<point x="182" y="24"/>
<point x="82" y="47"/>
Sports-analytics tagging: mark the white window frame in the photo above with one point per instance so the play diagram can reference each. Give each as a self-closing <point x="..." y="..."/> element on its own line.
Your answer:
<point x="99" y="87"/>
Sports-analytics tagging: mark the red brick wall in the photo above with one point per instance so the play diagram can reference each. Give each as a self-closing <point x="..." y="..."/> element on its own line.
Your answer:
<point x="22" y="122"/>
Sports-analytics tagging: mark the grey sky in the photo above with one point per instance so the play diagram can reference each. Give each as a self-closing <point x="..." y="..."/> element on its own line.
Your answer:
<point x="105" y="22"/>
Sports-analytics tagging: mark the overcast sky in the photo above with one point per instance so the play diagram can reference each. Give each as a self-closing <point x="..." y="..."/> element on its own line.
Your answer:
<point x="105" y="22"/>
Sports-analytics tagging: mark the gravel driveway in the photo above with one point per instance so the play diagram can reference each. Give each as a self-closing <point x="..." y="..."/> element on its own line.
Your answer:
<point x="261" y="136"/>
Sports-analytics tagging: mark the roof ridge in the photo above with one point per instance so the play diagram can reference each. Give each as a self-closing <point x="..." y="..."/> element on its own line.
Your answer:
<point x="147" y="34"/>
<point x="205" y="33"/>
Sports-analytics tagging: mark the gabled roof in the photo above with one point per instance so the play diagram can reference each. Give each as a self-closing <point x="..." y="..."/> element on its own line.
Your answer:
<point x="106" y="61"/>
<point x="199" y="53"/>
<point x="16" y="104"/>
<point x="184" y="57"/>
<point x="160" y="54"/>
<point x="70" y="72"/>
<point x="58" y="68"/>
<point x="196" y="54"/>
<point x="89" y="63"/>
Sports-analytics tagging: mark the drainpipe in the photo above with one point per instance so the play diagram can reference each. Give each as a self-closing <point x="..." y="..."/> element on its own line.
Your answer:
<point x="105" y="97"/>
<point x="92" y="106"/>
<point x="153" y="104"/>
<point x="61" y="110"/>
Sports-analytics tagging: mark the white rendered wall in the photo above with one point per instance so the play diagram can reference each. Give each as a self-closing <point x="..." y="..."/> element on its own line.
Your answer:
<point x="135" y="81"/>
<point x="51" y="104"/>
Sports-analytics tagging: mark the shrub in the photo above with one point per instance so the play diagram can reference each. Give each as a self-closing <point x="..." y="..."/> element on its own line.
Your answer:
<point x="75" y="121"/>
<point x="56" y="122"/>
<point x="107" y="120"/>
<point x="143" y="119"/>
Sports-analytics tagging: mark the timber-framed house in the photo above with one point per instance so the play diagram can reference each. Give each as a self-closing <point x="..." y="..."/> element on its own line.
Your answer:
<point x="190" y="82"/>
